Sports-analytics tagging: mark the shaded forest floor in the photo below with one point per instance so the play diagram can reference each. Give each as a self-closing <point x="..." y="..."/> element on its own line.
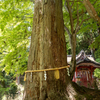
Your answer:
<point x="89" y="94"/>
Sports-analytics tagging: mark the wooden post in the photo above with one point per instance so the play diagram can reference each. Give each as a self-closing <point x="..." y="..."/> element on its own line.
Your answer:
<point x="91" y="75"/>
<point x="76" y="74"/>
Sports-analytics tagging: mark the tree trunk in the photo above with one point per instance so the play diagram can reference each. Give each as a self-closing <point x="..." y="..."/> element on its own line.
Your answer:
<point x="73" y="50"/>
<point x="48" y="50"/>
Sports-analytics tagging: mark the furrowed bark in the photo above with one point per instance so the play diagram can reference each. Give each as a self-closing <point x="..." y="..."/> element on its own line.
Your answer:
<point x="47" y="51"/>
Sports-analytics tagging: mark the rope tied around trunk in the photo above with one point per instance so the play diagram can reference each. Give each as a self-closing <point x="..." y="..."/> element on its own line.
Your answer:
<point x="57" y="76"/>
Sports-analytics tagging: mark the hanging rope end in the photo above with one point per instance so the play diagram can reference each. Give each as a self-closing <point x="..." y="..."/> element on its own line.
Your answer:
<point x="25" y="77"/>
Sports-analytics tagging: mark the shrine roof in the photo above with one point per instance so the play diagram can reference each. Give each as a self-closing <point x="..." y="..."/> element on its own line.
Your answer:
<point x="84" y="60"/>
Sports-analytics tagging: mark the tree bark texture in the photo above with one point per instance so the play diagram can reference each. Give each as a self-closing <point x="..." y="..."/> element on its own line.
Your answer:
<point x="91" y="10"/>
<point x="47" y="50"/>
<point x="73" y="50"/>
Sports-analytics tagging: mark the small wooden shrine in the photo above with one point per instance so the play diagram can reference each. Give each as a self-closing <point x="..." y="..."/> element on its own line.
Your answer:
<point x="85" y="66"/>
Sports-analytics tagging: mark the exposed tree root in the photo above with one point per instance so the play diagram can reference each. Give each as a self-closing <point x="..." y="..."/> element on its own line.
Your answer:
<point x="83" y="93"/>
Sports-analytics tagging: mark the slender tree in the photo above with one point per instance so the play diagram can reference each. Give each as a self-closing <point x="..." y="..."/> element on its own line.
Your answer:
<point x="77" y="13"/>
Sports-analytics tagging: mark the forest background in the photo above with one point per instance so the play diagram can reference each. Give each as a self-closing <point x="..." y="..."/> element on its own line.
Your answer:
<point x="16" y="18"/>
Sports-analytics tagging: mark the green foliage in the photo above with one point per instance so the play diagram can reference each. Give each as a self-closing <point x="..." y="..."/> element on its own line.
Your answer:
<point x="97" y="54"/>
<point x="13" y="89"/>
<point x="88" y="37"/>
<point x="7" y="85"/>
<point x="96" y="43"/>
<point x="16" y="18"/>
<point x="97" y="72"/>
<point x="85" y="39"/>
<point x="16" y="26"/>
<point x="88" y="30"/>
